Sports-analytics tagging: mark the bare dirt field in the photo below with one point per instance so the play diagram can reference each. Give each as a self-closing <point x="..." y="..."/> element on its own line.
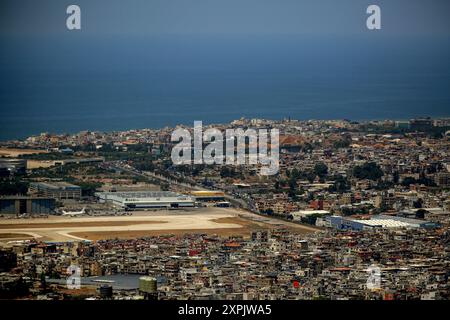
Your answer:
<point x="244" y="228"/>
<point x="31" y="164"/>
<point x="59" y="225"/>
<point x="221" y="221"/>
<point x="34" y="164"/>
<point x="10" y="152"/>
<point x="14" y="236"/>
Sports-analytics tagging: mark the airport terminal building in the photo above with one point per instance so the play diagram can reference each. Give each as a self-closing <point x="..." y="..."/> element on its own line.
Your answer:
<point x="141" y="200"/>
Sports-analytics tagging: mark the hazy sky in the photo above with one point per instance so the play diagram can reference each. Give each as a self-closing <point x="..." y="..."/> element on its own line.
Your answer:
<point x="149" y="17"/>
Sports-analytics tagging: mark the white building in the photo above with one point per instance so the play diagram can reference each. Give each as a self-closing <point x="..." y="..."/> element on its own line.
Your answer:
<point x="298" y="215"/>
<point x="136" y="200"/>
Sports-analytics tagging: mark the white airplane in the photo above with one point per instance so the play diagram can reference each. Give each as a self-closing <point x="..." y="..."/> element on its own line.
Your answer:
<point x="74" y="213"/>
<point x="18" y="241"/>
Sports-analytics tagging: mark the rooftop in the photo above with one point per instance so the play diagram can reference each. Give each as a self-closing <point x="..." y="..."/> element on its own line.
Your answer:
<point x="55" y="185"/>
<point x="141" y="194"/>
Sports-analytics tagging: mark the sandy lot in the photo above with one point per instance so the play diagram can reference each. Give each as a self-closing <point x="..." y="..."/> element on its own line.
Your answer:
<point x="17" y="152"/>
<point x="14" y="236"/>
<point x="31" y="164"/>
<point x="243" y="228"/>
<point x="220" y="221"/>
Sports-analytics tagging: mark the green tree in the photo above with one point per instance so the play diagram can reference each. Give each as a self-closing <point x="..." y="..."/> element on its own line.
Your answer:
<point x="88" y="188"/>
<point x="418" y="204"/>
<point x="310" y="176"/>
<point x="321" y="169"/>
<point x="340" y="185"/>
<point x="396" y="177"/>
<point x="13" y="187"/>
<point x="369" y="170"/>
<point x="43" y="281"/>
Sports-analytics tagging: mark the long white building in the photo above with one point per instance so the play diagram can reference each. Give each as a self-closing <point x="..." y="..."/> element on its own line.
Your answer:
<point x="136" y="200"/>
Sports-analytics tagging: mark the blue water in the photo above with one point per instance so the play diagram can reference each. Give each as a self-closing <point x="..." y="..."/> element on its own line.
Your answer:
<point x="54" y="84"/>
<point x="117" y="281"/>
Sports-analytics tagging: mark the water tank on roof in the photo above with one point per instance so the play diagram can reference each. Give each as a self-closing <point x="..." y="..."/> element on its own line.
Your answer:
<point x="147" y="285"/>
<point x="106" y="291"/>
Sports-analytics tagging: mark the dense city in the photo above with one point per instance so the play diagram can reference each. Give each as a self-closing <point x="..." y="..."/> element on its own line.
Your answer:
<point x="358" y="210"/>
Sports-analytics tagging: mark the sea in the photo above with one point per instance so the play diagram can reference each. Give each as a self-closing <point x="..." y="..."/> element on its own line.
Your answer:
<point x="68" y="84"/>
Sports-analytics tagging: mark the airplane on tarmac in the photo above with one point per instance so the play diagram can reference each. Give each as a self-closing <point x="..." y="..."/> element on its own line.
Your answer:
<point x="74" y="213"/>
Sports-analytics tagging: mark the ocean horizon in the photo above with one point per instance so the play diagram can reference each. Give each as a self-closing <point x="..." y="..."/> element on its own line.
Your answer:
<point x="119" y="83"/>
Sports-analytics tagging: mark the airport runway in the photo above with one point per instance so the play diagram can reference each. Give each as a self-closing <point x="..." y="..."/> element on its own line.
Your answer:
<point x="58" y="228"/>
